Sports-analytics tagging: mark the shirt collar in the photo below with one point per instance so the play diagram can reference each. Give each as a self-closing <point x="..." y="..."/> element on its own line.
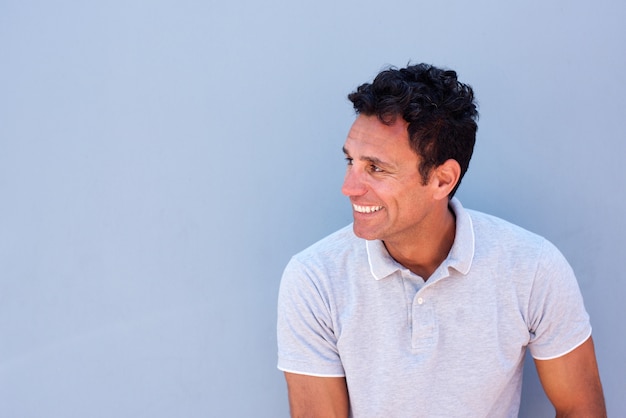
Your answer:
<point x="459" y="258"/>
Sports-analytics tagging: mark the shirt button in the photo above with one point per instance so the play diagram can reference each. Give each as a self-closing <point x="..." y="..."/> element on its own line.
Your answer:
<point x="420" y="301"/>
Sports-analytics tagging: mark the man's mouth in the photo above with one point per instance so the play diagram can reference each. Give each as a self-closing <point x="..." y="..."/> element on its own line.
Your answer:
<point x="366" y="209"/>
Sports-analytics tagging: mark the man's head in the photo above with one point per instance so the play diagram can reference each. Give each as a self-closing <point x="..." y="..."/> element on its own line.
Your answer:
<point x="440" y="112"/>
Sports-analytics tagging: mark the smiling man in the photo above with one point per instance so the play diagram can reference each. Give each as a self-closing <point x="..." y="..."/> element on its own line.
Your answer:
<point x="422" y="308"/>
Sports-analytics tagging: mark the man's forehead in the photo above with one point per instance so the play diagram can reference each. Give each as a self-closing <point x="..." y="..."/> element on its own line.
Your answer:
<point x="368" y="134"/>
<point x="371" y="127"/>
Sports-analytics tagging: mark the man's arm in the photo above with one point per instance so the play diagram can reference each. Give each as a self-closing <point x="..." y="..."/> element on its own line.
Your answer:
<point x="317" y="397"/>
<point x="572" y="383"/>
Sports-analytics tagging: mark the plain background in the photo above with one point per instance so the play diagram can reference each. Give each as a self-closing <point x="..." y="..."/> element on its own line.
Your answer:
<point x="160" y="161"/>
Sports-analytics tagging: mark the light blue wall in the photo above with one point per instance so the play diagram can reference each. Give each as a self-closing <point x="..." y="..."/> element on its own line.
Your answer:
<point x="161" y="160"/>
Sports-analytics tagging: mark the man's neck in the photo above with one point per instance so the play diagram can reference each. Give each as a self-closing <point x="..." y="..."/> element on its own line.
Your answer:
<point x="429" y="249"/>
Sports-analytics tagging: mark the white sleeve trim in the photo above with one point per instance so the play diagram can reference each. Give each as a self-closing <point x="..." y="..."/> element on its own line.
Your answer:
<point x="310" y="374"/>
<point x="566" y="352"/>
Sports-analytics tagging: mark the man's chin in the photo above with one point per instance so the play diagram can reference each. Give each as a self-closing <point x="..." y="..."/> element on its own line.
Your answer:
<point x="364" y="233"/>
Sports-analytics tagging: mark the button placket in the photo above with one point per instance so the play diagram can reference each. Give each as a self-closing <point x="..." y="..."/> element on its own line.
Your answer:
<point x="423" y="325"/>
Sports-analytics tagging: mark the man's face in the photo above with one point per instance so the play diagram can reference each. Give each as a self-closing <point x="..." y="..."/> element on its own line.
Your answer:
<point x="389" y="200"/>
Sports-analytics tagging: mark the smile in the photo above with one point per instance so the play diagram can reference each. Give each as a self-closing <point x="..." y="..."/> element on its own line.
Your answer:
<point x="366" y="209"/>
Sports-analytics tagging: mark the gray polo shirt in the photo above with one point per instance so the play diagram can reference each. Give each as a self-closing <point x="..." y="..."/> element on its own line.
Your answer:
<point x="451" y="347"/>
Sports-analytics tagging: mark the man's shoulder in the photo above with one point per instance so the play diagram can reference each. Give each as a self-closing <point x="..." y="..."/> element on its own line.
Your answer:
<point x="509" y="240"/>
<point x="331" y="246"/>
<point x="493" y="226"/>
<point x="329" y="258"/>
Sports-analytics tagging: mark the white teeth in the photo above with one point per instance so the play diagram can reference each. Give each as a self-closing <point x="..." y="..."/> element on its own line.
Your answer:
<point x="366" y="209"/>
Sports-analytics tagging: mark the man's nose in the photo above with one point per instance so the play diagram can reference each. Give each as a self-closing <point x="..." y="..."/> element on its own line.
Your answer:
<point x="353" y="184"/>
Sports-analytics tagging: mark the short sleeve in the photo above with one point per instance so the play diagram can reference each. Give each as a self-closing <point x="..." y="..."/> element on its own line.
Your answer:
<point x="307" y="343"/>
<point x="558" y="321"/>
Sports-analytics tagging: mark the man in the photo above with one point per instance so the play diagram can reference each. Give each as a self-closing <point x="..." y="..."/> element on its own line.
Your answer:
<point x="422" y="308"/>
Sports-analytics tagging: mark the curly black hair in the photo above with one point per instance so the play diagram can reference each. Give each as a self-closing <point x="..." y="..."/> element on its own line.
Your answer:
<point x="439" y="109"/>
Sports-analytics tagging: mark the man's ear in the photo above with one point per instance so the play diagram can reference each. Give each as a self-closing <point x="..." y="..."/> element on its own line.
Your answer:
<point x="445" y="177"/>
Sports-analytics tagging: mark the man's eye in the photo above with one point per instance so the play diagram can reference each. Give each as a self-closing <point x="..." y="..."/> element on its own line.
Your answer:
<point x="375" y="168"/>
<point x="348" y="160"/>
